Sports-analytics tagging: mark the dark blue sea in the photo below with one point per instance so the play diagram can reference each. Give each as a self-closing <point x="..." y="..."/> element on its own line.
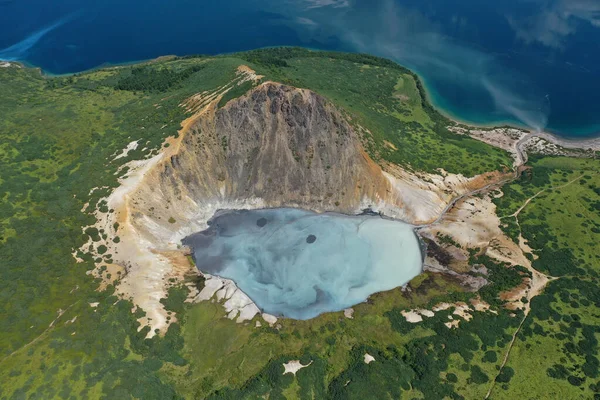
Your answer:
<point x="534" y="63"/>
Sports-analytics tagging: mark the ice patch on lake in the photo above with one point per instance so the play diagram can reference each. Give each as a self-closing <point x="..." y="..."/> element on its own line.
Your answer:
<point x="299" y="264"/>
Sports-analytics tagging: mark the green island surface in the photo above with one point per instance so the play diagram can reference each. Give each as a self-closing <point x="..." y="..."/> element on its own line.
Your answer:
<point x="62" y="337"/>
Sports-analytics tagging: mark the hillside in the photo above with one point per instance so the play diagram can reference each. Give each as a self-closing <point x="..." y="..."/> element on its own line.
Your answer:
<point x="104" y="172"/>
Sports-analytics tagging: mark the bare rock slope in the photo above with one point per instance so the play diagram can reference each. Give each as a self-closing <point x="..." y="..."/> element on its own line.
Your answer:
<point x="282" y="145"/>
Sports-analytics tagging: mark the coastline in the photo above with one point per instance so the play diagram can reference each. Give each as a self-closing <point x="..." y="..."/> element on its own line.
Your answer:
<point x="587" y="142"/>
<point x="106" y="65"/>
<point x="553" y="136"/>
<point x="427" y="92"/>
<point x="575" y="142"/>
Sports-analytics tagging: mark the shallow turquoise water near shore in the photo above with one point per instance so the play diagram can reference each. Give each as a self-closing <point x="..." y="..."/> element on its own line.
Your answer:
<point x="299" y="264"/>
<point x="534" y="63"/>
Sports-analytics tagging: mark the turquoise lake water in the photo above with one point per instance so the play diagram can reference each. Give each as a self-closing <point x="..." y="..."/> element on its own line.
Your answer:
<point x="534" y="63"/>
<point x="299" y="264"/>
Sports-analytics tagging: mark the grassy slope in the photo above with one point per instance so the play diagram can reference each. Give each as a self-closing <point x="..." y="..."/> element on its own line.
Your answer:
<point x="552" y="357"/>
<point x="57" y="139"/>
<point x="218" y="344"/>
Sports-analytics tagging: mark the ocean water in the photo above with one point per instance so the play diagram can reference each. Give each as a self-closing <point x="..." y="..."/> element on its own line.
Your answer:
<point x="299" y="264"/>
<point x="534" y="63"/>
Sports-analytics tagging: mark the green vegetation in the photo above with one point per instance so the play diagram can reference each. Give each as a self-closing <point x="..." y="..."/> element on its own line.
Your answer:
<point x="236" y="92"/>
<point x="556" y="352"/>
<point x="500" y="276"/>
<point x="152" y="79"/>
<point x="58" y="137"/>
<point x="236" y="361"/>
<point x="389" y="375"/>
<point x="560" y="223"/>
<point x="61" y="338"/>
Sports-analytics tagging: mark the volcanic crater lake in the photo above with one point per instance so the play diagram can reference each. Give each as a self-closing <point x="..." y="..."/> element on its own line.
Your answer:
<point x="299" y="264"/>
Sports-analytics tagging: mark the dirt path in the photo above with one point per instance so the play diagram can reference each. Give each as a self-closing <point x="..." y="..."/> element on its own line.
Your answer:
<point x="538" y="282"/>
<point x="463" y="196"/>
<point x="516" y="213"/>
<point x="521" y="160"/>
<point x="512" y="342"/>
<point x="538" y="279"/>
<point x="61" y="312"/>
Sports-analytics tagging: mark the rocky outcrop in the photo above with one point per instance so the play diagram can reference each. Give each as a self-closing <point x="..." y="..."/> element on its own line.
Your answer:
<point x="281" y="145"/>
